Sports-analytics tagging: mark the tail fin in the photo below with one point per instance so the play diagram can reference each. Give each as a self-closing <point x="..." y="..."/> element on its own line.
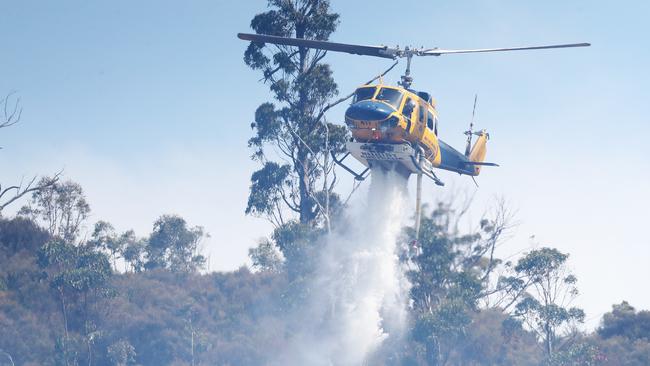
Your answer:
<point x="479" y="150"/>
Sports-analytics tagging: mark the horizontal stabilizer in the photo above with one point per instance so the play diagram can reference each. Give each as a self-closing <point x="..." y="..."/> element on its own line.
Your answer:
<point x="480" y="163"/>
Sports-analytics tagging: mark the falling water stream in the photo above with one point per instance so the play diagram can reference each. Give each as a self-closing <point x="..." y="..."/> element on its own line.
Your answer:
<point x="358" y="294"/>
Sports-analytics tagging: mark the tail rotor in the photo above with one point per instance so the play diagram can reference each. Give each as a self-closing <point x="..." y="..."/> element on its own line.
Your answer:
<point x="469" y="133"/>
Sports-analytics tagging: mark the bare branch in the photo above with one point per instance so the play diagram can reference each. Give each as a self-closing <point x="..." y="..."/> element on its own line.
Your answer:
<point x="11" y="114"/>
<point x="21" y="190"/>
<point x="293" y="207"/>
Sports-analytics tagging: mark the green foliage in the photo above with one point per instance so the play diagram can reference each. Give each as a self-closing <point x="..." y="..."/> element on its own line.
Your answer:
<point x="298" y="244"/>
<point x="105" y="239"/>
<point x="292" y="252"/>
<point x="161" y="317"/>
<point x="579" y="354"/>
<point x="173" y="245"/>
<point x="451" y="271"/>
<point x="625" y="321"/>
<point x="265" y="257"/>
<point x="268" y="189"/>
<point x="538" y="265"/>
<point x="61" y="207"/>
<point x="72" y="268"/>
<point x="293" y="129"/>
<point x="229" y="316"/>
<point x="25" y="305"/>
<point x="20" y="234"/>
<point x="550" y="315"/>
<point x="148" y="319"/>
<point x="494" y="338"/>
<point x="80" y="277"/>
<point x="133" y="250"/>
<point x="617" y="350"/>
<point x="545" y="309"/>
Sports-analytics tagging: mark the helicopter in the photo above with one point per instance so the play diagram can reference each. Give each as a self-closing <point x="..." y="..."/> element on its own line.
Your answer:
<point x="396" y="127"/>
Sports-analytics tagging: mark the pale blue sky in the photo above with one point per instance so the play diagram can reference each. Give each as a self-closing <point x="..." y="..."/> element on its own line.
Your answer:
<point x="148" y="104"/>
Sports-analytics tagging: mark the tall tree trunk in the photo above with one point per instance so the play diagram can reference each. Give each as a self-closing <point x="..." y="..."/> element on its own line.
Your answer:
<point x="303" y="166"/>
<point x="306" y="206"/>
<point x="192" y="347"/>
<point x="65" y="326"/>
<point x="326" y="188"/>
<point x="549" y="341"/>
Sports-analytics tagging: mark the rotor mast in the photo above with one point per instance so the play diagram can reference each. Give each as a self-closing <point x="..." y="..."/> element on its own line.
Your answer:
<point x="407" y="79"/>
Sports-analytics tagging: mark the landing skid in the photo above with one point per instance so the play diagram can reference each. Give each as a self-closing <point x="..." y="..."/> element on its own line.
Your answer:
<point x="428" y="172"/>
<point x="399" y="157"/>
<point x="358" y="176"/>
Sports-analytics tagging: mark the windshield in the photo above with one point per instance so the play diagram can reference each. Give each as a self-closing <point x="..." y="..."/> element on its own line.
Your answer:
<point x="363" y="94"/>
<point x="390" y="96"/>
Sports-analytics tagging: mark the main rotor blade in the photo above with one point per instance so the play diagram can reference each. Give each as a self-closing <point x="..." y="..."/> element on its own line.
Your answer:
<point x="438" y="52"/>
<point x="377" y="51"/>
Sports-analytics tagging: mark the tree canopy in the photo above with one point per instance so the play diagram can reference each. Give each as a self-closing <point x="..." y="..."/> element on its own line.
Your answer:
<point x="290" y="138"/>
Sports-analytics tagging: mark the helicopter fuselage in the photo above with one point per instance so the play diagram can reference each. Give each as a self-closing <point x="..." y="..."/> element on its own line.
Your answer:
<point x="381" y="118"/>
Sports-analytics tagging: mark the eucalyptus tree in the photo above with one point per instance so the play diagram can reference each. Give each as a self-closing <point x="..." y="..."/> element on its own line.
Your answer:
<point x="265" y="257"/>
<point x="291" y="140"/>
<point x="79" y="276"/>
<point x="450" y="271"/>
<point x="174" y="246"/>
<point x="61" y="207"/>
<point x="546" y="307"/>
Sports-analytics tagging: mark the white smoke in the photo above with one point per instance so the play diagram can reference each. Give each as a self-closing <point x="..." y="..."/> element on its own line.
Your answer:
<point x="358" y="295"/>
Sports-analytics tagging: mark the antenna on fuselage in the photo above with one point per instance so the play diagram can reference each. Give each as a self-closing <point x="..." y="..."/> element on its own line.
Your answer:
<point x="470" y="132"/>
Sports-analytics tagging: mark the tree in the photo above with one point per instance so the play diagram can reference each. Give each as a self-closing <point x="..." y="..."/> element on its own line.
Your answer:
<point x="13" y="193"/>
<point x="495" y="338"/>
<point x="546" y="309"/>
<point x="105" y="238"/>
<point x="133" y="250"/>
<point x="625" y="321"/>
<point x="449" y="273"/>
<point x="293" y="130"/>
<point x="623" y="337"/>
<point x="79" y="275"/>
<point x="173" y="245"/>
<point x="61" y="207"/>
<point x="580" y="353"/>
<point x="265" y="257"/>
<point x="21" y="234"/>
<point x="298" y="243"/>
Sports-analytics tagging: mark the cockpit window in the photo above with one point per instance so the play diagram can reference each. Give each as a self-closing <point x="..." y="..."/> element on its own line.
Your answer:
<point x="390" y="96"/>
<point x="363" y="94"/>
<point x="430" y="120"/>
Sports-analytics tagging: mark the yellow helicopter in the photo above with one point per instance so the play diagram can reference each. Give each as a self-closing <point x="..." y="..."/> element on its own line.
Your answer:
<point x="396" y="127"/>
